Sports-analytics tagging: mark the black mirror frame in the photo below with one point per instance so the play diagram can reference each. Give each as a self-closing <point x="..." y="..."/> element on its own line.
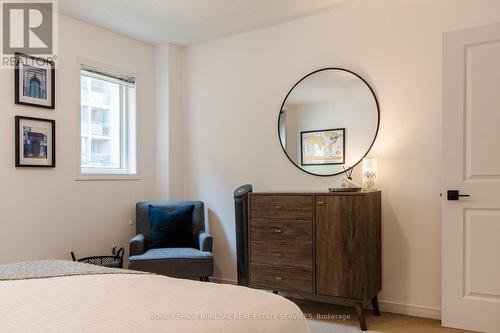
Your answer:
<point x="376" y="132"/>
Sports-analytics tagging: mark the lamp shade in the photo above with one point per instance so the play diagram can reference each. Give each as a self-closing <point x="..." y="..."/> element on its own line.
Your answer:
<point x="369" y="174"/>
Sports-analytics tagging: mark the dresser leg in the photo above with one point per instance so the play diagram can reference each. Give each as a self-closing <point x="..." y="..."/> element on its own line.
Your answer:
<point x="360" y="311"/>
<point x="376" y="310"/>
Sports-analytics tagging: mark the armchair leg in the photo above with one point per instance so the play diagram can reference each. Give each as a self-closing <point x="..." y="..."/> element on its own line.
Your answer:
<point x="204" y="279"/>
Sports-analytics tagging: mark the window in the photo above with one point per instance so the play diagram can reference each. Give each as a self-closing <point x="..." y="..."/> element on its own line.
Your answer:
<point x="107" y="123"/>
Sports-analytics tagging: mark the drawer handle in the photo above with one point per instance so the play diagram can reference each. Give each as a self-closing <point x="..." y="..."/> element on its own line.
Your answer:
<point x="279" y="278"/>
<point x="277" y="254"/>
<point x="278" y="207"/>
<point x="278" y="231"/>
<point x="320" y="202"/>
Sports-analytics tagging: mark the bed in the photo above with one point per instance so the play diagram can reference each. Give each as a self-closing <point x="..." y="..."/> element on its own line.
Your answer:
<point x="64" y="296"/>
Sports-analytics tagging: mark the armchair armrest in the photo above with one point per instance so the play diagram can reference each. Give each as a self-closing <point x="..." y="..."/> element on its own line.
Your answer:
<point x="137" y="245"/>
<point x="205" y="241"/>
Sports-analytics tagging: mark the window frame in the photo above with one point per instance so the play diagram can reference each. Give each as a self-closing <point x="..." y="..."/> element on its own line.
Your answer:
<point x="129" y="168"/>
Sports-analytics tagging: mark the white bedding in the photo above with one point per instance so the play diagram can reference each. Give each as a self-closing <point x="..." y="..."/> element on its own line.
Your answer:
<point x="141" y="303"/>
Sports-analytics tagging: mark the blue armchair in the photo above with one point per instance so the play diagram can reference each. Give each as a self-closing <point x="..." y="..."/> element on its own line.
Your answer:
<point x="175" y="262"/>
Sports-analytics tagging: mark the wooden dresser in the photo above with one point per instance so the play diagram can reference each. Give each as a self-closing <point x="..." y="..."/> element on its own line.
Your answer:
<point x="317" y="244"/>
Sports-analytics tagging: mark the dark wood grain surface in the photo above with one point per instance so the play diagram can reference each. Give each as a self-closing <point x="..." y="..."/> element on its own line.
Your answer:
<point x="281" y="230"/>
<point x="281" y="206"/>
<point x="339" y="246"/>
<point x="325" y="246"/>
<point x="282" y="254"/>
<point x="373" y="245"/>
<point x="281" y="278"/>
<point x="345" y="245"/>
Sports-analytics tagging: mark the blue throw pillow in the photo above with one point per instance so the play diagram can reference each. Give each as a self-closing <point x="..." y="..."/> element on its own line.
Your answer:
<point x="171" y="227"/>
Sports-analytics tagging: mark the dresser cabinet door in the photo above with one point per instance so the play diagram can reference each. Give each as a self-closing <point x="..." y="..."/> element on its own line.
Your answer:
<point x="339" y="242"/>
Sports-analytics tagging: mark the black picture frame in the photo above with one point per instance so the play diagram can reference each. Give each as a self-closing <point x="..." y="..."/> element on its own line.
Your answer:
<point x="317" y="131"/>
<point x="350" y="167"/>
<point x="18" y="142"/>
<point x="52" y="84"/>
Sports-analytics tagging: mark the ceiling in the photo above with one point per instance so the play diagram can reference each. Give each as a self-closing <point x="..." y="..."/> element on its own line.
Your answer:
<point x="187" y="22"/>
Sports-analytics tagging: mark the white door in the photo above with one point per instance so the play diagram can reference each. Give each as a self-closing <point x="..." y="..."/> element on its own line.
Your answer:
<point x="471" y="162"/>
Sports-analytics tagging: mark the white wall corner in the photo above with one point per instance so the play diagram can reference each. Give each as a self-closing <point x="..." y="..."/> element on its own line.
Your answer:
<point x="168" y="148"/>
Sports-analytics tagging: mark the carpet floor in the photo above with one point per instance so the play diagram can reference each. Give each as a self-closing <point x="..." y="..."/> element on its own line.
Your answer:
<point x="326" y="318"/>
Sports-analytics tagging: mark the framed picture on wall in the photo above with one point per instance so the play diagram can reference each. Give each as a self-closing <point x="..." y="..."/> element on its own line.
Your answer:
<point x="34" y="81"/>
<point x="323" y="147"/>
<point x="35" y="142"/>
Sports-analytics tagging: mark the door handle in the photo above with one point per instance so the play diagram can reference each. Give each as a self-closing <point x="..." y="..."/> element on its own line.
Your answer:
<point x="455" y="195"/>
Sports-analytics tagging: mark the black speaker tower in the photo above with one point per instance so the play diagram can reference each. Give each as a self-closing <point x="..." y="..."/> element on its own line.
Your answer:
<point x="241" y="220"/>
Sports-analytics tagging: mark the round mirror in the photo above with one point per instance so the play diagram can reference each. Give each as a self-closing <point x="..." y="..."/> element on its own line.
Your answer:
<point x="328" y="121"/>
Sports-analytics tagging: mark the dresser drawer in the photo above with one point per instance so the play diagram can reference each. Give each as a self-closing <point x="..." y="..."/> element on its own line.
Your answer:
<point x="276" y="230"/>
<point x="293" y="255"/>
<point x="299" y="207"/>
<point x="281" y="278"/>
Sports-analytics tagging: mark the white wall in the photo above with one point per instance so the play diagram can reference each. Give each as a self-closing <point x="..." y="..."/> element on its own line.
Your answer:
<point x="46" y="213"/>
<point x="233" y="91"/>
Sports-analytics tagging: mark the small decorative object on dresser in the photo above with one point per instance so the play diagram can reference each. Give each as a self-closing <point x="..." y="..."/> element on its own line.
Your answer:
<point x="323" y="246"/>
<point x="34" y="81"/>
<point x="369" y="173"/>
<point x="346" y="184"/>
<point x="35" y="142"/>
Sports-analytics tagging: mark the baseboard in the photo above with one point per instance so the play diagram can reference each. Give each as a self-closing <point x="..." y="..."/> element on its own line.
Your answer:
<point x="385" y="306"/>
<point x="225" y="281"/>
<point x="410" y="310"/>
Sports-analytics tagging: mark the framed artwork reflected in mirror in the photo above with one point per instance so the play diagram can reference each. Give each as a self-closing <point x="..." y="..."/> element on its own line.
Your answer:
<point x="323" y="147"/>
